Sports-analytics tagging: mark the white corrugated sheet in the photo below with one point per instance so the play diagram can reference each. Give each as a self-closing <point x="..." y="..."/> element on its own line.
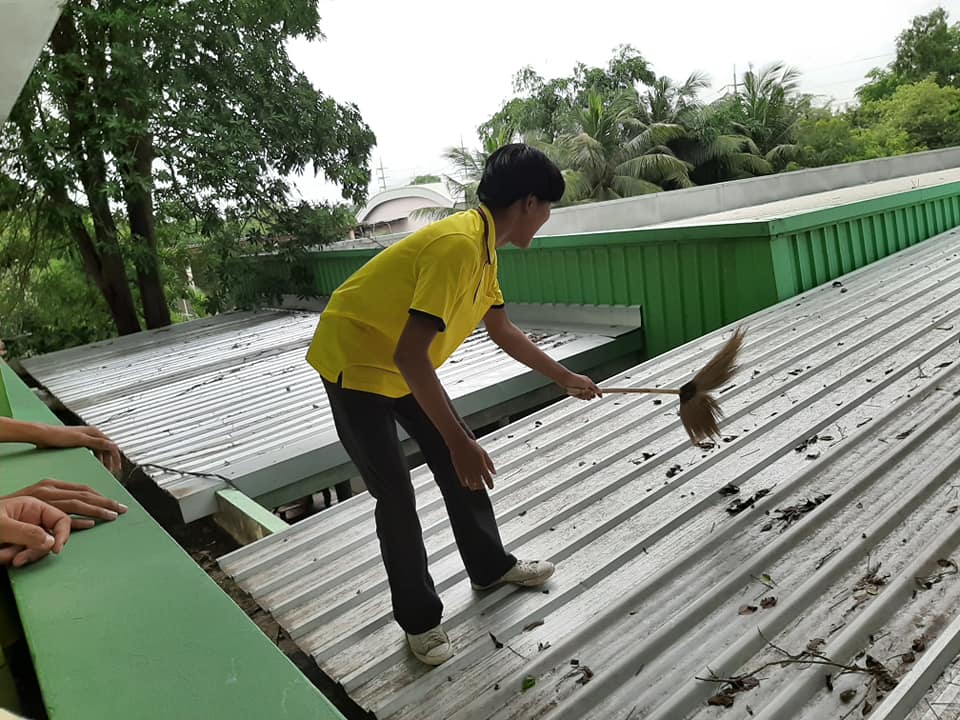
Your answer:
<point x="233" y="396"/>
<point x="842" y="431"/>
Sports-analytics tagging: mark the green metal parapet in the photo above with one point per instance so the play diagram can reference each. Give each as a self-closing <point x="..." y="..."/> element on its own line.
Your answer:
<point x="124" y="624"/>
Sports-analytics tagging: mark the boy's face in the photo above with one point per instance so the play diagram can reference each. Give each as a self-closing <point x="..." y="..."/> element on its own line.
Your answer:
<point x="533" y="214"/>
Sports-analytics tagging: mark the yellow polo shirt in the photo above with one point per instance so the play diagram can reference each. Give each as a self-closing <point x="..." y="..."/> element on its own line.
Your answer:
<point x="447" y="270"/>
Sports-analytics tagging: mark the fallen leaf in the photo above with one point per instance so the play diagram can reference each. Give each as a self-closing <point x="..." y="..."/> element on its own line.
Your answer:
<point x="531" y="626"/>
<point x="541" y="646"/>
<point x="768" y="602"/>
<point x="729" y="489"/>
<point x="747" y="609"/>
<point x="528" y="682"/>
<point x="815" y="644"/>
<point x="674" y="471"/>
<point x="908" y="658"/>
<point x="496" y="643"/>
<point x="919" y="645"/>
<point x="847" y="695"/>
<point x="953" y="508"/>
<point x="721" y="700"/>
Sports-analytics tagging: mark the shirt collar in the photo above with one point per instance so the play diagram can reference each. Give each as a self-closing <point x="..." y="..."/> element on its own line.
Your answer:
<point x="486" y="217"/>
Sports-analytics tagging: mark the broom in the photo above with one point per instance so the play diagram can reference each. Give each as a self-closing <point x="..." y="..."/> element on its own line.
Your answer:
<point x="699" y="411"/>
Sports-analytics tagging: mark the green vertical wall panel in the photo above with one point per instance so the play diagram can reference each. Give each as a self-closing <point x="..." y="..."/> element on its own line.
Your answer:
<point x="692" y="280"/>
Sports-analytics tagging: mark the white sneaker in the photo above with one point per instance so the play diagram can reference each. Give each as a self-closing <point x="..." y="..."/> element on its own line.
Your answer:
<point x="431" y="647"/>
<point x="526" y="573"/>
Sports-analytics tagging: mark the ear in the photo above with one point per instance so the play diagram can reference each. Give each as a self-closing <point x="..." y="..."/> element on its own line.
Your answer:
<point x="530" y="204"/>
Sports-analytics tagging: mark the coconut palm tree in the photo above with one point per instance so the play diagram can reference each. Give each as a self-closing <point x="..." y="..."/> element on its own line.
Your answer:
<point x="714" y="151"/>
<point x="612" y="154"/>
<point x="666" y="102"/>
<point x="467" y="169"/>
<point x="768" y="111"/>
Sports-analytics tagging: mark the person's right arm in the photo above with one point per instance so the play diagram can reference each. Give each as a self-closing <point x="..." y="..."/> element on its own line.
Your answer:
<point x="412" y="358"/>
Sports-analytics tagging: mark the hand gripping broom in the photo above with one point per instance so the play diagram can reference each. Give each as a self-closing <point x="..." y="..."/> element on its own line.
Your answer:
<point x="699" y="411"/>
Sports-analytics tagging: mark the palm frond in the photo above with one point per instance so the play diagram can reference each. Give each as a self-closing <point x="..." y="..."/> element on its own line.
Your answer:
<point x="624" y="186"/>
<point x="654" y="167"/>
<point x="432" y="214"/>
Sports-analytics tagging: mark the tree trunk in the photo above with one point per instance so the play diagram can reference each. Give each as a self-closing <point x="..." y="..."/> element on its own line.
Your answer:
<point x="102" y="258"/>
<point x="137" y="174"/>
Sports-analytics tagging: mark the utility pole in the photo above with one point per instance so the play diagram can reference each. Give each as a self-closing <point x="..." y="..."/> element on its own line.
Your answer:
<point x="735" y="86"/>
<point x="382" y="176"/>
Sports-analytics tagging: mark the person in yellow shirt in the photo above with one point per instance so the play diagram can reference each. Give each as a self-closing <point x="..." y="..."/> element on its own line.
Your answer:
<point x="377" y="346"/>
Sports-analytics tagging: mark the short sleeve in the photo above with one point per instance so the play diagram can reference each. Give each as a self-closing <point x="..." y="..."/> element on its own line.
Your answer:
<point x="443" y="271"/>
<point x="497" y="294"/>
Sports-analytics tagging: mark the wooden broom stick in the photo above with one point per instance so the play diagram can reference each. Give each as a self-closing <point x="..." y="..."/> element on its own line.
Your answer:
<point x="699" y="411"/>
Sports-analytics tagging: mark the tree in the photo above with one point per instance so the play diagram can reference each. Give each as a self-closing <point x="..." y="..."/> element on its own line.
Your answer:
<point x="663" y="101"/>
<point x="827" y="139"/>
<point x="927" y="114"/>
<point x="610" y="154"/>
<point x="767" y="112"/>
<point x="714" y="149"/>
<point x="928" y="48"/>
<point x="425" y="179"/>
<point x="134" y="108"/>
<point x="541" y="108"/>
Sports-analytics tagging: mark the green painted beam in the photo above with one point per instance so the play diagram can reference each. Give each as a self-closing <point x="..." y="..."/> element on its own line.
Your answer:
<point x="244" y="518"/>
<point x="124" y="624"/>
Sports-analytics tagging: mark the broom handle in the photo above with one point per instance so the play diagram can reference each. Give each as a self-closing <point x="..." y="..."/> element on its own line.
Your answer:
<point x="645" y="391"/>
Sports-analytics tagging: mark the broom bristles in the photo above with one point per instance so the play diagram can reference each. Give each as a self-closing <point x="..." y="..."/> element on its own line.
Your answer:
<point x="701" y="417"/>
<point x="722" y="366"/>
<point x="699" y="411"/>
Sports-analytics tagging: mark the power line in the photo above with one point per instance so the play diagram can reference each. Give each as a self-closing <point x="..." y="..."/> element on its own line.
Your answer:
<point x="848" y="62"/>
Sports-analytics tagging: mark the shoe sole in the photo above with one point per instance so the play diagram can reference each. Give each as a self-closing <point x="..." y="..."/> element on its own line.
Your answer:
<point x="532" y="582"/>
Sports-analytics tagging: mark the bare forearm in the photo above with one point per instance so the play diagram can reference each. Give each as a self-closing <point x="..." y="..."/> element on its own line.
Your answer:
<point x="425" y="386"/>
<point x="23" y="432"/>
<point x="521" y="348"/>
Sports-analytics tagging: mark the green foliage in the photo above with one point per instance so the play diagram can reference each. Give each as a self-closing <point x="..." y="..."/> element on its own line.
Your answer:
<point x="141" y="116"/>
<point x="610" y="154"/>
<point x="928" y="49"/>
<point x="541" y="108"/>
<point x="927" y="113"/>
<point x="238" y="265"/>
<point x="426" y="179"/>
<point x="828" y="139"/>
<point x="54" y="308"/>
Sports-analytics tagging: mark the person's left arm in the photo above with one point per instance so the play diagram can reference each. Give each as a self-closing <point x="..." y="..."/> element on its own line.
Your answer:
<point x="513" y="341"/>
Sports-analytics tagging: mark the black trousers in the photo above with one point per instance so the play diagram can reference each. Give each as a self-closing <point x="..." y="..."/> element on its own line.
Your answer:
<point x="367" y="426"/>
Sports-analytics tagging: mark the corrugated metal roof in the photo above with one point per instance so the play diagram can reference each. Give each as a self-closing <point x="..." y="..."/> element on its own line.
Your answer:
<point x="233" y="396"/>
<point x="841" y="439"/>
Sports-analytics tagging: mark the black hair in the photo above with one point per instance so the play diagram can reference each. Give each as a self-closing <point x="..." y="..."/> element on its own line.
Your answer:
<point x="516" y="171"/>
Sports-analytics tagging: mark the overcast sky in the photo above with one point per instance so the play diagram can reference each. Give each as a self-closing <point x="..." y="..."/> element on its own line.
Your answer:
<point x="426" y="73"/>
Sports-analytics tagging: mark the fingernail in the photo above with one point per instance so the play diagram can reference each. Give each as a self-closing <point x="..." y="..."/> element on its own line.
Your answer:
<point x="123" y="508"/>
<point x="110" y="515"/>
